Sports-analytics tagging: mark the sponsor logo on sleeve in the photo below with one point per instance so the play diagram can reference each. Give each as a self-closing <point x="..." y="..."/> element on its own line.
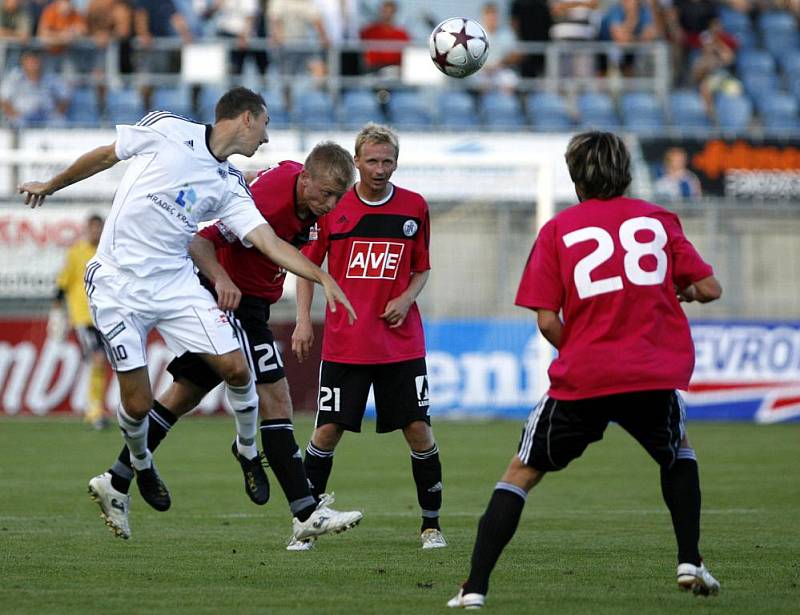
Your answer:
<point x="375" y="259"/>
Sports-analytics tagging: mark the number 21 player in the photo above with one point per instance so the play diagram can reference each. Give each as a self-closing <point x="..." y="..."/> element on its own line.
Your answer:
<point x="616" y="268"/>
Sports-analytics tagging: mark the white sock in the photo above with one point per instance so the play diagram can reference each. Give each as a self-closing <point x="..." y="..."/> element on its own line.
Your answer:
<point x="135" y="433"/>
<point x="244" y="401"/>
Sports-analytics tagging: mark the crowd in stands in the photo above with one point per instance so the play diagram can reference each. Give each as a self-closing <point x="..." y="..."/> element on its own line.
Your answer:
<point x="729" y="58"/>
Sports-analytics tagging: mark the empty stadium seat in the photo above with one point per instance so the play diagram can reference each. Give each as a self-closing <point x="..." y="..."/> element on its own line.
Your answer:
<point x="641" y="112"/>
<point x="597" y="111"/>
<point x="276" y="107"/>
<point x="176" y="100"/>
<point x="502" y="110"/>
<point x="409" y="110"/>
<point x="770" y="22"/>
<point x="358" y="107"/>
<point x="779" y="111"/>
<point x="209" y="95"/>
<point x="83" y="107"/>
<point x="314" y="109"/>
<point x="124" y="106"/>
<point x="754" y="61"/>
<point x="733" y="112"/>
<point x="548" y="112"/>
<point x="759" y="83"/>
<point x="733" y="20"/>
<point x="790" y="63"/>
<point x="457" y="110"/>
<point x="686" y="110"/>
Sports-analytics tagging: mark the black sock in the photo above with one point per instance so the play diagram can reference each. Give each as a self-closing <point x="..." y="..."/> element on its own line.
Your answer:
<point x="495" y="529"/>
<point x="427" y="471"/>
<point x="680" y="486"/>
<point x="283" y="456"/>
<point x="161" y="420"/>
<point x="318" y="465"/>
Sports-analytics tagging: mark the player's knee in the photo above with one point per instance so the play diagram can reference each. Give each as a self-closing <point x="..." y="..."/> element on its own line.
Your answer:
<point x="137" y="403"/>
<point x="233" y="370"/>
<point x="327" y="436"/>
<point x="274" y="400"/>
<point x="419" y="435"/>
<point x="521" y="474"/>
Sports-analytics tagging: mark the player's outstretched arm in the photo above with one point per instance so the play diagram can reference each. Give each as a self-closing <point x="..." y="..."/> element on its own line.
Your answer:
<point x="204" y="255"/>
<point x="287" y="256"/>
<point x="303" y="334"/>
<point x="91" y="163"/>
<point x="703" y="291"/>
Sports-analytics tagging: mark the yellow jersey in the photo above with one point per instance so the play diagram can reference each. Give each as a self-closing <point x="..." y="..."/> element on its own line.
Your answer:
<point x="70" y="280"/>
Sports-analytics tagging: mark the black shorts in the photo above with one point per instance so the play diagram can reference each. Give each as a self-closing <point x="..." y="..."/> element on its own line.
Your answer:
<point x="401" y="394"/>
<point x="559" y="431"/>
<point x="89" y="339"/>
<point x="250" y="321"/>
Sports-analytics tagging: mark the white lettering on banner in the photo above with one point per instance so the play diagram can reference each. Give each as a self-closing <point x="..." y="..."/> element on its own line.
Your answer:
<point x="16" y="364"/>
<point x="746" y="353"/>
<point x="45" y="392"/>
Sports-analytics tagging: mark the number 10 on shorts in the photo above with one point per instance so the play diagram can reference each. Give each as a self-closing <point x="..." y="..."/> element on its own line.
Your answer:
<point x="329" y="399"/>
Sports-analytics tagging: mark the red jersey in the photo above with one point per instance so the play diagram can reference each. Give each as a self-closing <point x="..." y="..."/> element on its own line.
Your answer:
<point x="611" y="268"/>
<point x="275" y="197"/>
<point x="372" y="251"/>
<point x="383" y="32"/>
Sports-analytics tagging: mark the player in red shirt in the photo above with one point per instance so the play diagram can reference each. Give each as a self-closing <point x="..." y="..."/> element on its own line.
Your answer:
<point x="291" y="196"/>
<point x="377" y="247"/>
<point x="384" y="30"/>
<point x="615" y="269"/>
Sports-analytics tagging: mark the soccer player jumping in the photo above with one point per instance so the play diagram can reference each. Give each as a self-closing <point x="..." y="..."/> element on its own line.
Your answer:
<point x="616" y="269"/>
<point x="142" y="276"/>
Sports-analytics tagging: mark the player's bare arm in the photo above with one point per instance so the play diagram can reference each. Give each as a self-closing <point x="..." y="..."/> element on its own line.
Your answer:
<point x="287" y="256"/>
<point x="550" y="325"/>
<point x="91" y="163"/>
<point x="703" y="291"/>
<point x="396" y="309"/>
<point x="204" y="255"/>
<point x="303" y="334"/>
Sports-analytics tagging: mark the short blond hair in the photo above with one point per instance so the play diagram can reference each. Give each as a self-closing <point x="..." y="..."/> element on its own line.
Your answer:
<point x="377" y="133"/>
<point x="331" y="161"/>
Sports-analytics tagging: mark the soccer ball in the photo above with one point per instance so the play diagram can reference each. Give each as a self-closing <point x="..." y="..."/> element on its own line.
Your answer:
<point x="458" y="46"/>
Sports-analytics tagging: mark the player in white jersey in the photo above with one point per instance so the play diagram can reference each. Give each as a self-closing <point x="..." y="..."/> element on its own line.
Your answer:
<point x="142" y="276"/>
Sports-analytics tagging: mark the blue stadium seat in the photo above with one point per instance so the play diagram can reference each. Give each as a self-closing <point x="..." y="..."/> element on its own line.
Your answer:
<point x="779" y="111"/>
<point x="597" y="111"/>
<point x="733" y="20"/>
<point x="409" y="110"/>
<point x="641" y="112"/>
<point x="83" y="107"/>
<point x="733" y="112"/>
<point x="176" y="100"/>
<point x="770" y="22"/>
<point x="754" y="61"/>
<point x="276" y="107"/>
<point x="781" y="42"/>
<point x="548" y="112"/>
<point x="124" y="106"/>
<point x="209" y="95"/>
<point x="314" y="109"/>
<point x="502" y="110"/>
<point x="686" y="110"/>
<point x="359" y="107"/>
<point x="457" y="110"/>
<point x="758" y="83"/>
<point x="790" y="63"/>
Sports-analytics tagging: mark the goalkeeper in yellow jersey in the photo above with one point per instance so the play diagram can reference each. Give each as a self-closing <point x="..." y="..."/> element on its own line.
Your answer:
<point x="71" y="307"/>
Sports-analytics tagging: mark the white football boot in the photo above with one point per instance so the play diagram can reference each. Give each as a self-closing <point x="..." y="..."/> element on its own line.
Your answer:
<point x="325" y="520"/>
<point x="114" y="506"/>
<point x="299" y="545"/>
<point x="432" y="539"/>
<point x="697" y="579"/>
<point x="469" y="602"/>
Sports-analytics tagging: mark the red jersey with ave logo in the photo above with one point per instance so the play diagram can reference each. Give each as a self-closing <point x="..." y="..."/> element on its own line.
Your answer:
<point x="372" y="251"/>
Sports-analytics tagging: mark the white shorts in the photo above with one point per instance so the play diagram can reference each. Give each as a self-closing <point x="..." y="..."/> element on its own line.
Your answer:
<point x="125" y="309"/>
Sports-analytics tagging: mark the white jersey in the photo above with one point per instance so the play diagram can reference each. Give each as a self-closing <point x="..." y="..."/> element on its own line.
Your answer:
<point x="172" y="183"/>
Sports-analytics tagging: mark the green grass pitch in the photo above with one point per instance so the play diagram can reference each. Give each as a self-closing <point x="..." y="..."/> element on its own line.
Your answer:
<point x="593" y="539"/>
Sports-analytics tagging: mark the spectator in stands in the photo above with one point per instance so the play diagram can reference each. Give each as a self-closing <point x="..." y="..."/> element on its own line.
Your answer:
<point x="340" y="18"/>
<point x="15" y="23"/>
<point x="296" y="32"/>
<point x="711" y="70"/>
<point x="677" y="182"/>
<point x="35" y="8"/>
<point x="500" y="70"/>
<point x="574" y="21"/>
<point x="236" y="20"/>
<point x="384" y="30"/>
<point x="31" y="96"/>
<point x="531" y="21"/>
<point x="107" y="22"/>
<point x="627" y="21"/>
<point x="60" y="27"/>
<point x="158" y="19"/>
<point x="694" y="17"/>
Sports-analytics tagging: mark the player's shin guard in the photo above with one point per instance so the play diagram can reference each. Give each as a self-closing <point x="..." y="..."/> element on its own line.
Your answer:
<point x="161" y="421"/>
<point x="318" y="465"/>
<point x="283" y="456"/>
<point x="680" y="486"/>
<point x="135" y="433"/>
<point x="427" y="471"/>
<point x="244" y="401"/>
<point x="495" y="529"/>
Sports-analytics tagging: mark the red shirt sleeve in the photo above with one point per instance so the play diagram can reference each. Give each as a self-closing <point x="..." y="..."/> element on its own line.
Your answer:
<point x="541" y="286"/>
<point x="218" y="234"/>
<point x="687" y="264"/>
<point x="420" y="259"/>
<point x="317" y="247"/>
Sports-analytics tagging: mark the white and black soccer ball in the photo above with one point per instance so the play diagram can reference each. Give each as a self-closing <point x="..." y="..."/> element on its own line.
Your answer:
<point x="459" y="46"/>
